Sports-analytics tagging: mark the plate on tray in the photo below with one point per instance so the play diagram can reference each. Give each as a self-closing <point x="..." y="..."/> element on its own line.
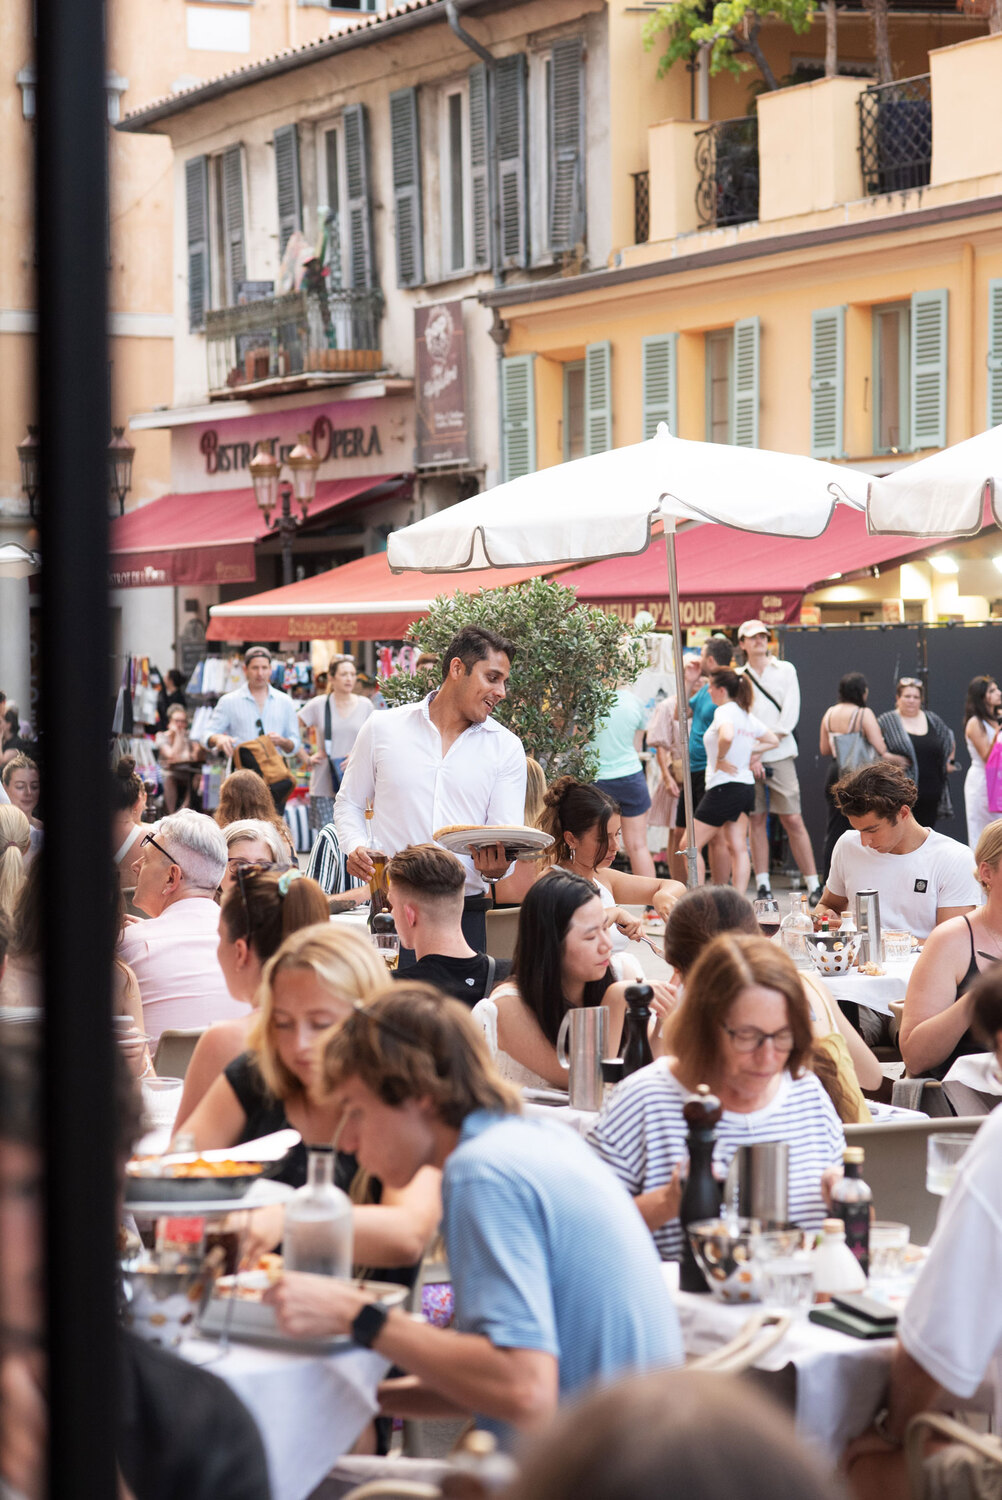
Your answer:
<point x="244" y="1318"/>
<point x="519" y="842"/>
<point x="260" y="1193"/>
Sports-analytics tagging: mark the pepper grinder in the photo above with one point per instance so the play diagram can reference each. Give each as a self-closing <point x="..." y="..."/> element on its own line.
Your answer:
<point x="636" y="1048"/>
<point x="702" y="1194"/>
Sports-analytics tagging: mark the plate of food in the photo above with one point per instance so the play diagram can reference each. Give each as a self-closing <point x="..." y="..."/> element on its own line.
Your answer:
<point x="159" y="1179"/>
<point x="237" y="1309"/>
<point x="519" y="842"/>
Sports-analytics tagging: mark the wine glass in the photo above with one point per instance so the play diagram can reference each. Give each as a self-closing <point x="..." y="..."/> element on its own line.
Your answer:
<point x="767" y="916"/>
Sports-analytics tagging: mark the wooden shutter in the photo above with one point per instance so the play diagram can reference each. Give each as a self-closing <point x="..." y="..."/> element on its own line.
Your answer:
<point x="598" y="397"/>
<point x="479" y="176"/>
<point x="745" y="397"/>
<point x="196" y="190"/>
<point x="928" y="373"/>
<point x="406" y="151"/>
<point x="994" y="353"/>
<point x="567" y="157"/>
<point x="827" y="382"/>
<point x="660" y="382"/>
<point x="233" y="220"/>
<point x="290" y="202"/>
<point x="518" y="416"/>
<point x="361" y="263"/>
<point x="510" y="98"/>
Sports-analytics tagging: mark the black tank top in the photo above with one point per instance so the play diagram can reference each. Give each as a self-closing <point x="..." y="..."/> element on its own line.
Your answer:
<point x="968" y="1042"/>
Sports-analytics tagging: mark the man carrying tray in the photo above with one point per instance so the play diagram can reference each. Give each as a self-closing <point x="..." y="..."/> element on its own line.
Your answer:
<point x="443" y="761"/>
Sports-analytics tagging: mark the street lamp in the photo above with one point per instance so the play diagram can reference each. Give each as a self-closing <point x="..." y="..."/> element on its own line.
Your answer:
<point x="120" y="456"/>
<point x="29" y="456"/>
<point x="266" y="477"/>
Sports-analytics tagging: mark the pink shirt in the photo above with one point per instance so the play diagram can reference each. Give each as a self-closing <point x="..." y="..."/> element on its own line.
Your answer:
<point x="174" y="959"/>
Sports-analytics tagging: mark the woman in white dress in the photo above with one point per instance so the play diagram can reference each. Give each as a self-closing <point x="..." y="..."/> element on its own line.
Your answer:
<point x="982" y="718"/>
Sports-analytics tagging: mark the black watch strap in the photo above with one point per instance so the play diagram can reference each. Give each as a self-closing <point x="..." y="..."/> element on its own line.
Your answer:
<point x="368" y="1325"/>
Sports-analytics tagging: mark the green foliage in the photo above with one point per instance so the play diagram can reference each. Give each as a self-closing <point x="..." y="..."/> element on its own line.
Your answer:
<point x="570" y="659"/>
<point x="730" y="29"/>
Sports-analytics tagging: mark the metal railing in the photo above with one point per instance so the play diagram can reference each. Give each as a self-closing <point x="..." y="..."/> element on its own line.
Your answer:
<point x="895" y="135"/>
<point x="641" y="207"/>
<point x="727" y="163"/>
<point x="325" y="331"/>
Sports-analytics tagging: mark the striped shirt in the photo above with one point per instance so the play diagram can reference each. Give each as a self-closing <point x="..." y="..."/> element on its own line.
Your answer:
<point x="641" y="1134"/>
<point x="327" y="864"/>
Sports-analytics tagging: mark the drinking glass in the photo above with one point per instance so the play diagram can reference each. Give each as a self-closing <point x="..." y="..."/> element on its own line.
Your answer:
<point x="943" y="1156"/>
<point x="388" y="947"/>
<point x="161" y="1098"/>
<point x="767" y="916"/>
<point x="888" y="1244"/>
<point x="788" y="1282"/>
<point x="897" y="946"/>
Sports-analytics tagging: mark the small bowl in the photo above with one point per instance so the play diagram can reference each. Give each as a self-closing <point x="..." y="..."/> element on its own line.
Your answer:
<point x="162" y="1306"/>
<point x="832" y="952"/>
<point x="724" y="1250"/>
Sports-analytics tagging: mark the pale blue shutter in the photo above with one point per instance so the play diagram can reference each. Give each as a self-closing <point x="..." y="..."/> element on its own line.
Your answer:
<point x="406" y="152"/>
<point x="479" y="156"/>
<point x="290" y="200"/>
<point x="518" y="416"/>
<point x="660" y="383"/>
<point x="994" y="353"/>
<point x="567" y="154"/>
<point x="233" y="219"/>
<point x="745" y="397"/>
<point x="361" y="262"/>
<point x="598" y="397"/>
<point x="196" y="195"/>
<point x="928" y="373"/>
<point x="510" y="103"/>
<point x="827" y="382"/>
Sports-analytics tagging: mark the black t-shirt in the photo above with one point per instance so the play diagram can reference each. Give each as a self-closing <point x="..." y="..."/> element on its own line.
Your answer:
<point x="463" y="978"/>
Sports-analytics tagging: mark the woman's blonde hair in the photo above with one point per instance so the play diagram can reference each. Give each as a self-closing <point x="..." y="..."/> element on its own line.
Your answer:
<point x="15" y="841"/>
<point x="988" y="850"/>
<point x="343" y="961"/>
<point x="535" y="792"/>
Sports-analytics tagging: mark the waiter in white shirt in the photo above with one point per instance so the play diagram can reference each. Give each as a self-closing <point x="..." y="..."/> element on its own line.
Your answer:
<point x="442" y="761"/>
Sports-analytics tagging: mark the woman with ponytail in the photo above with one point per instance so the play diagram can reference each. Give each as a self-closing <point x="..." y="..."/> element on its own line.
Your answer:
<point x="128" y="803"/>
<point x="15" y="841"/>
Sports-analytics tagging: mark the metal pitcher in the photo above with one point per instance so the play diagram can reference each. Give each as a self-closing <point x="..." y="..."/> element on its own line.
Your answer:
<point x="582" y="1042"/>
<point x="868" y="926"/>
<point x="758" y="1183"/>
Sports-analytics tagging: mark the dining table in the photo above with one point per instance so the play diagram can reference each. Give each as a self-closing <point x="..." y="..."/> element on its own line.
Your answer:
<point x="872" y="991"/>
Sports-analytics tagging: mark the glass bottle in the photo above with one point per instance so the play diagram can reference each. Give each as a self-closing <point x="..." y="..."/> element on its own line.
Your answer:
<point x="794" y="925"/>
<point x="636" y="1046"/>
<point x="702" y="1194"/>
<point x="318" y="1224"/>
<point x="377" y="880"/>
<point x="851" y="1200"/>
<point x="835" y="1267"/>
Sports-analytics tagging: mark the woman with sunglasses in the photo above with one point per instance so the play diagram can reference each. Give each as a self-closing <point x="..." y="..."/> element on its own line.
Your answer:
<point x="260" y="908"/>
<point x="310" y="985"/>
<point x="923" y="745"/>
<point x="252" y="843"/>
<point x="744" y="1029"/>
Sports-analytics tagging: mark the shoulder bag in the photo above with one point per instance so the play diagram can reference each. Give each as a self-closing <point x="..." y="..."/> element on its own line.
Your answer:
<point x="993" y="774"/>
<point x="852" y="749"/>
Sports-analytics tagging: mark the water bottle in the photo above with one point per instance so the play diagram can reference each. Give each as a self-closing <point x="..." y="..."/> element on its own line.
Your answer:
<point x="318" y="1225"/>
<point x="792" y="929"/>
<point x="636" y="1046"/>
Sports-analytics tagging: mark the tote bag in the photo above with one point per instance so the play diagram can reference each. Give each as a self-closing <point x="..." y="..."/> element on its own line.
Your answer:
<point x="852" y="749"/>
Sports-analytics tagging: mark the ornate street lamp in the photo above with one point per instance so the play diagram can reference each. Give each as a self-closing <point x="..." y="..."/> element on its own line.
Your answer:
<point x="29" y="456"/>
<point x="120" y="456"/>
<point x="266" y="477"/>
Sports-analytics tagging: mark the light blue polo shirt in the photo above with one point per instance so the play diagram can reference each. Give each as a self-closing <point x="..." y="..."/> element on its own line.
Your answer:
<point x="615" y="735"/>
<point x="548" y="1252"/>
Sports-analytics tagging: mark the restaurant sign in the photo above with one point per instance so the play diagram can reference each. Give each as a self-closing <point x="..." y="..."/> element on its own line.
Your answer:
<point x="440" y="368"/>
<point x="724" y="610"/>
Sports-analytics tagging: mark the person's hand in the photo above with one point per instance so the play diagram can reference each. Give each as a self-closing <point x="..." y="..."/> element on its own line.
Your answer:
<point x="667" y="994"/>
<point x="825" y="914"/>
<point x="630" y="926"/>
<point x="262" y="1231"/>
<point x="24" y="1424"/>
<point x="308" y="1306"/>
<point x="672" y="786"/>
<point x="224" y="743"/>
<point x="317" y="758"/>
<point x="666" y="895"/>
<point x="867" y="1444"/>
<point x="359" y="863"/>
<point x="671" y="1196"/>
<point x="757" y="768"/>
<point x="491" y="862"/>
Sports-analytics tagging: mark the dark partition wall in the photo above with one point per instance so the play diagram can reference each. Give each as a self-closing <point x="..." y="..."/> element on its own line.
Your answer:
<point x="945" y="657"/>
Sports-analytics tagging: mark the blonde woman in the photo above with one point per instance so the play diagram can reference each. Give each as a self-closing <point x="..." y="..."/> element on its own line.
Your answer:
<point x="310" y="985"/>
<point x="15" y="841"/>
<point x="512" y="889"/>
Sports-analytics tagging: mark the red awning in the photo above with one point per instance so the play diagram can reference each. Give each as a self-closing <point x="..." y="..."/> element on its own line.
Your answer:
<point x="360" y="601"/>
<point x="206" y="537"/>
<point x="727" y="576"/>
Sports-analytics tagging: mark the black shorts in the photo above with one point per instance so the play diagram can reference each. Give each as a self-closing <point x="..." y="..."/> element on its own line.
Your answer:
<point x="698" y="787"/>
<point x="725" y="803"/>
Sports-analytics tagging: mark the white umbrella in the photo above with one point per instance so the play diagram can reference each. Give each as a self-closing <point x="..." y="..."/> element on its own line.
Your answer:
<point x="17" y="562"/>
<point x="605" y="506"/>
<point x="942" y="495"/>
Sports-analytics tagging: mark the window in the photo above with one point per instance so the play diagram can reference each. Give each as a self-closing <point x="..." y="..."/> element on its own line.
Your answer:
<point x="891" y="366"/>
<point x="574" y="410"/>
<point x="556" y="97"/>
<point x="719" y="376"/>
<point x="330" y="174"/>
<point x="457" y="239"/>
<point x="214" y="203"/>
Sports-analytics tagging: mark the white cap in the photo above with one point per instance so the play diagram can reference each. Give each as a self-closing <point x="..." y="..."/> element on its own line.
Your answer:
<point x="752" y="627"/>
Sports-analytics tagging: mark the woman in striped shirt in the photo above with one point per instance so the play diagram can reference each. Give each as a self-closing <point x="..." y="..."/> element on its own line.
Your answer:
<point x="744" y="1028"/>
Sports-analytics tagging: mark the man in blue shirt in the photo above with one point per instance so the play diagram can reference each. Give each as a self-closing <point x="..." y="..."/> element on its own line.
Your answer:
<point x="256" y="708"/>
<point x="557" y="1282"/>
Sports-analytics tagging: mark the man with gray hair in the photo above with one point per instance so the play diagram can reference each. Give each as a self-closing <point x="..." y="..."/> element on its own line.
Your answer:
<point x="180" y="866"/>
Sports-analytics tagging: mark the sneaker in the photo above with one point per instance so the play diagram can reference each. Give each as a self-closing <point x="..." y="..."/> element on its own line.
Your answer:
<point x="763" y="893"/>
<point x="815" y="895"/>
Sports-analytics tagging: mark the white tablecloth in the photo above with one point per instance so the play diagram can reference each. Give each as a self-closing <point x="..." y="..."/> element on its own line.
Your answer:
<point x="309" y="1408"/>
<point x="580" y="1120"/>
<point x="978" y="1070"/>
<point x="873" y="991"/>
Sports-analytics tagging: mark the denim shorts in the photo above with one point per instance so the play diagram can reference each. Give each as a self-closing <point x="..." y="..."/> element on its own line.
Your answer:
<point x="630" y="792"/>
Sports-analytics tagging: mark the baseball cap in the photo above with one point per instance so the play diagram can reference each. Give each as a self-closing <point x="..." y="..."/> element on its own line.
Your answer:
<point x="253" y="651"/>
<point x="752" y="627"/>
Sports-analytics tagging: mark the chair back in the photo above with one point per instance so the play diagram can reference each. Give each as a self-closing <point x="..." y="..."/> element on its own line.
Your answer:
<point x="894" y="1167"/>
<point x="502" y="929"/>
<point x="174" y="1051"/>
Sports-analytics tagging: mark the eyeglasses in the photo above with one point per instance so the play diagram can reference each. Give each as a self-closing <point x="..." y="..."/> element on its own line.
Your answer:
<point x="750" y="1039"/>
<point x="239" y="863"/>
<point x="149" y="839"/>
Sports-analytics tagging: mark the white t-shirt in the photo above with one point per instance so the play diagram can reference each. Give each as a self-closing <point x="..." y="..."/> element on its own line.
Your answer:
<point x="746" y="730"/>
<point x="952" y="1324"/>
<point x="911" y="886"/>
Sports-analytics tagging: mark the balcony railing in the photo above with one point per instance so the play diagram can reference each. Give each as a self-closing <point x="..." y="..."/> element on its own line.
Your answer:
<point x="641" y="207"/>
<point x="727" y="163"/>
<point x="326" y="331"/>
<point x="895" y="135"/>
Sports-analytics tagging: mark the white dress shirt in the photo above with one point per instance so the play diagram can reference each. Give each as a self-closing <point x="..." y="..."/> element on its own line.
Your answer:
<point x="173" y="957"/>
<point x="237" y="714"/>
<point x="398" y="765"/>
<point x="781" y="680"/>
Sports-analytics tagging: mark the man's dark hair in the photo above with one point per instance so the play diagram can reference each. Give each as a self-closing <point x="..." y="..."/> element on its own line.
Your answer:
<point x="881" y="788"/>
<point x="474" y="643"/>
<point x="720" y="650"/>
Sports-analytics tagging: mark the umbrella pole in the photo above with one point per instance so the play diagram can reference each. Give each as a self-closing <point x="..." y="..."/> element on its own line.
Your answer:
<point x="691" y="852"/>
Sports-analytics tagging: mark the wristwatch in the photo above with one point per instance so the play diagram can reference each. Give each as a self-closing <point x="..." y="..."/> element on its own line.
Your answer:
<point x="369" y="1323"/>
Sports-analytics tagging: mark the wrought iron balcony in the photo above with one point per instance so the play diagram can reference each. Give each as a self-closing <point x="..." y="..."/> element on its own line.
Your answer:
<point x="325" y="331"/>
<point x="895" y="135"/>
<point x="727" y="163"/>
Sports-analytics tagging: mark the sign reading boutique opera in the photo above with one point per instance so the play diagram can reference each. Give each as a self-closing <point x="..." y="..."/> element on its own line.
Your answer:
<point x="440" y="382"/>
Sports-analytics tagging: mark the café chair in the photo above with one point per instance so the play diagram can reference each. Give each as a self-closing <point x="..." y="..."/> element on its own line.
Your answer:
<point x="761" y="1332"/>
<point x="969" y="1467"/>
<point x="502" y="929"/>
<point x="174" y="1050"/>
<point x="894" y="1167"/>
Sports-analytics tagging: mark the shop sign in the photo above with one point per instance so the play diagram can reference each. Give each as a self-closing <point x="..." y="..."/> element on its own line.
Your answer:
<point x="440" y="370"/>
<point x="725" y="610"/>
<point x="330" y="442"/>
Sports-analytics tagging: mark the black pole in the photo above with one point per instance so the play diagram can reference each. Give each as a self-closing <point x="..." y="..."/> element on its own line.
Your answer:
<point x="286" y="530"/>
<point x="71" y="230"/>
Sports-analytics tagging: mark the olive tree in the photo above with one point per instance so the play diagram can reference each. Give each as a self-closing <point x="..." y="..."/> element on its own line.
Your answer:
<point x="569" y="660"/>
<point x="729" y="29"/>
